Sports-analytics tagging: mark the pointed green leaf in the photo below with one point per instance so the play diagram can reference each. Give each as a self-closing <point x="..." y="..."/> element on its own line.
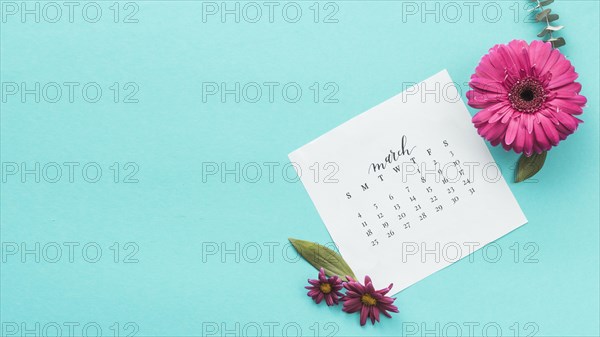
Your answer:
<point x="557" y="42"/>
<point x="529" y="166"/>
<point x="320" y="256"/>
<point x="542" y="15"/>
<point x="546" y="2"/>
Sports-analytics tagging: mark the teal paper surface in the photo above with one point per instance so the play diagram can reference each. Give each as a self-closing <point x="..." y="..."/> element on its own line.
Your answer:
<point x="164" y="197"/>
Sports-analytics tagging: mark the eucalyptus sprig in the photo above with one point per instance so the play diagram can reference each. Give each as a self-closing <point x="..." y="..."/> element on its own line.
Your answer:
<point x="545" y="15"/>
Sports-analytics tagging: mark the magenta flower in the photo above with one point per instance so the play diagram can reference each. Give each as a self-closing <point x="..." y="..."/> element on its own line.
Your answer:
<point x="325" y="288"/>
<point x="528" y="95"/>
<point x="367" y="300"/>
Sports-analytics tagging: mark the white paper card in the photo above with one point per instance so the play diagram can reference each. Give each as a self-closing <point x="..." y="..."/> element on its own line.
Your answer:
<point x="408" y="187"/>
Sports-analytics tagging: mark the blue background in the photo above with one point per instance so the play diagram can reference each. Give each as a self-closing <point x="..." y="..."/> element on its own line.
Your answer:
<point x="545" y="282"/>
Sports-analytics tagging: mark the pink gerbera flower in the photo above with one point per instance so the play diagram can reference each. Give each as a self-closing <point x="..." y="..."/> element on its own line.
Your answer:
<point x="528" y="95"/>
<point x="367" y="300"/>
<point x="325" y="288"/>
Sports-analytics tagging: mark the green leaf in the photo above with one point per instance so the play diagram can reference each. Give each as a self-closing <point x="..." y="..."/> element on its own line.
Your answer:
<point x="529" y="166"/>
<point x="322" y="257"/>
<point x="557" y="42"/>
<point x="546" y="2"/>
<point x="549" y="29"/>
<point x="552" y="17"/>
<point x="542" y="15"/>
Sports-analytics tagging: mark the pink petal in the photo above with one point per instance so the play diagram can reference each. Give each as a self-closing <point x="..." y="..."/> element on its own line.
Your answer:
<point x="501" y="113"/>
<point x="564" y="79"/>
<point x="567" y="120"/>
<point x="492" y="132"/>
<point x="529" y="118"/>
<point x="511" y="132"/>
<point x="512" y="51"/>
<point x="552" y="59"/>
<point x="355" y="287"/>
<point x="479" y="100"/>
<point x="487" y="85"/>
<point x="491" y="66"/>
<point x="561" y="66"/>
<point x="376" y="313"/>
<point x="541" y="141"/>
<point x="328" y="299"/>
<point x="519" y="143"/>
<point x="549" y="129"/>
<point x="573" y="87"/>
<point x="567" y="106"/>
<point x="528" y="147"/>
<point x="364" y="312"/>
<point x="538" y="54"/>
<point x="351" y="307"/>
<point x="525" y="60"/>
<point x="313" y="292"/>
<point x="384" y="311"/>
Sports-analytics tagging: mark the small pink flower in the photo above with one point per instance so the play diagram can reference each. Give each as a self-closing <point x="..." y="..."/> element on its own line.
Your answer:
<point x="528" y="95"/>
<point x="367" y="300"/>
<point x="325" y="288"/>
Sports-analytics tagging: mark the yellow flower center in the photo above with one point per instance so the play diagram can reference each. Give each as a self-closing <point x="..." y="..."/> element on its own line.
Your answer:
<point x="325" y="288"/>
<point x="368" y="300"/>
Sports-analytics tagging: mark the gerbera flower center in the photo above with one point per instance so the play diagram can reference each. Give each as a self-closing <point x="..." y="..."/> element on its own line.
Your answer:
<point x="527" y="95"/>
<point x="368" y="300"/>
<point x="325" y="288"/>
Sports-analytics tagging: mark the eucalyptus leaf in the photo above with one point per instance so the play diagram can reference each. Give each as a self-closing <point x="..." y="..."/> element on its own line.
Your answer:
<point x="543" y="33"/>
<point x="549" y="29"/>
<point x="552" y="17"/>
<point x="555" y="28"/>
<point x="527" y="167"/>
<point x="546" y="2"/>
<point x="557" y="42"/>
<point x="320" y="256"/>
<point x="542" y="15"/>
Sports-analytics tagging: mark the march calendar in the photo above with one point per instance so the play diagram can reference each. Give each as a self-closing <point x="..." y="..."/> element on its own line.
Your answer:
<point x="411" y="188"/>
